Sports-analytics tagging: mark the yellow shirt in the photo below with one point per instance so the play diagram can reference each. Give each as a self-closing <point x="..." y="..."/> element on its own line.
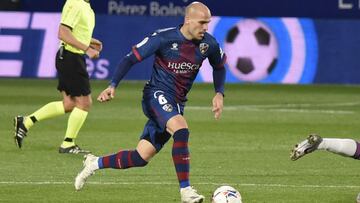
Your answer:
<point x="78" y="15"/>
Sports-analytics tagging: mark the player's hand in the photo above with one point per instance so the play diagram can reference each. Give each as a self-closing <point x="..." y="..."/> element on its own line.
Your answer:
<point x="107" y="95"/>
<point x="96" y="44"/>
<point x="218" y="105"/>
<point x="92" y="53"/>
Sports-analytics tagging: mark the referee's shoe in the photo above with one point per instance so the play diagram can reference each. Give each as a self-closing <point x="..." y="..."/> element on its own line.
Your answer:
<point x="73" y="150"/>
<point x="20" y="130"/>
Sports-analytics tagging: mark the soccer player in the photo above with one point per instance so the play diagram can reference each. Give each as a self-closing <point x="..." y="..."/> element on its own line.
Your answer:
<point x="179" y="53"/>
<point x="75" y="32"/>
<point x="344" y="147"/>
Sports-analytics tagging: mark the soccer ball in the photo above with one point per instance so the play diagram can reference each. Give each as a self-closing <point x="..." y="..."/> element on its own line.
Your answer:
<point x="226" y="194"/>
<point x="251" y="50"/>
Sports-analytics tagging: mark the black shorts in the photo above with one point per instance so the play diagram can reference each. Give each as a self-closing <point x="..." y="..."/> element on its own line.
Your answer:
<point x="72" y="74"/>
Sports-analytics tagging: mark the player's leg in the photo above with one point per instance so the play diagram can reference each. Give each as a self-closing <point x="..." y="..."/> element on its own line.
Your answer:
<point x="76" y="120"/>
<point x="168" y="116"/>
<point x="122" y="160"/>
<point x="24" y="123"/>
<point x="344" y="147"/>
<point x="177" y="126"/>
<point x="147" y="147"/>
<point x="151" y="141"/>
<point x="74" y="80"/>
<point x="129" y="158"/>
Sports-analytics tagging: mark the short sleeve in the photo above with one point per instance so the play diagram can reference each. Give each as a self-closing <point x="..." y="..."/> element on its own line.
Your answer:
<point x="71" y="14"/>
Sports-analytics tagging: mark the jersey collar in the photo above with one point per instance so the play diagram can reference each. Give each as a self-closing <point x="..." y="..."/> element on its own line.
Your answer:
<point x="181" y="34"/>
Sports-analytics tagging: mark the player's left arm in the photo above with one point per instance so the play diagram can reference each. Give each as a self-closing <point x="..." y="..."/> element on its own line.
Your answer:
<point x="217" y="60"/>
<point x="96" y="44"/>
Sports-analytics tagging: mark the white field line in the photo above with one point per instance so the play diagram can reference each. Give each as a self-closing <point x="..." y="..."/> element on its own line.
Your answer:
<point x="284" y="108"/>
<point x="174" y="183"/>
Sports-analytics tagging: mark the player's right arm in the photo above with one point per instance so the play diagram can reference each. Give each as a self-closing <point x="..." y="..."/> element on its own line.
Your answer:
<point x="139" y="52"/>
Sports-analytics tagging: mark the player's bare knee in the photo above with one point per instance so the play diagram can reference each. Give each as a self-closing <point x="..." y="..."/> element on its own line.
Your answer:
<point x="176" y="123"/>
<point x="145" y="149"/>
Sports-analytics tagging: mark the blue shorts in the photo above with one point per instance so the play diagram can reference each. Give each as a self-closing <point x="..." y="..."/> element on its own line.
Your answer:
<point x="159" y="107"/>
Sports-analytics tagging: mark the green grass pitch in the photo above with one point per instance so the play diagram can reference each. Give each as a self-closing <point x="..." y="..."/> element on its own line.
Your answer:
<point x="247" y="149"/>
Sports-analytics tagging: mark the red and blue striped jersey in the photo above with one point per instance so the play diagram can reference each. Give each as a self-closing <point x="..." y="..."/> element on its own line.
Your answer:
<point x="177" y="61"/>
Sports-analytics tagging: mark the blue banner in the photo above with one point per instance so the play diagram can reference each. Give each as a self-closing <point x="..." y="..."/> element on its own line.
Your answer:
<point x="249" y="8"/>
<point x="265" y="50"/>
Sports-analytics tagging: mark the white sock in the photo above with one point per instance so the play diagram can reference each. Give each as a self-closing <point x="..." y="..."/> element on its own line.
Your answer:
<point x="344" y="147"/>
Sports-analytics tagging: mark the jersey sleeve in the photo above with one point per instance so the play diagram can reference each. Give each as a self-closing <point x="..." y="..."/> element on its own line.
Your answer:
<point x="217" y="58"/>
<point x="71" y="14"/>
<point x="147" y="47"/>
<point x="142" y="50"/>
<point x="124" y="66"/>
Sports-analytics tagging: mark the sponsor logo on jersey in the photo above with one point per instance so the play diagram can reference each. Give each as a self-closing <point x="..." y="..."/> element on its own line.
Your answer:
<point x="203" y="48"/>
<point x="183" y="67"/>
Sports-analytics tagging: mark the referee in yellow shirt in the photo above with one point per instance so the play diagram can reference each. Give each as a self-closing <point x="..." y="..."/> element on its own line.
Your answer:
<point x="75" y="32"/>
